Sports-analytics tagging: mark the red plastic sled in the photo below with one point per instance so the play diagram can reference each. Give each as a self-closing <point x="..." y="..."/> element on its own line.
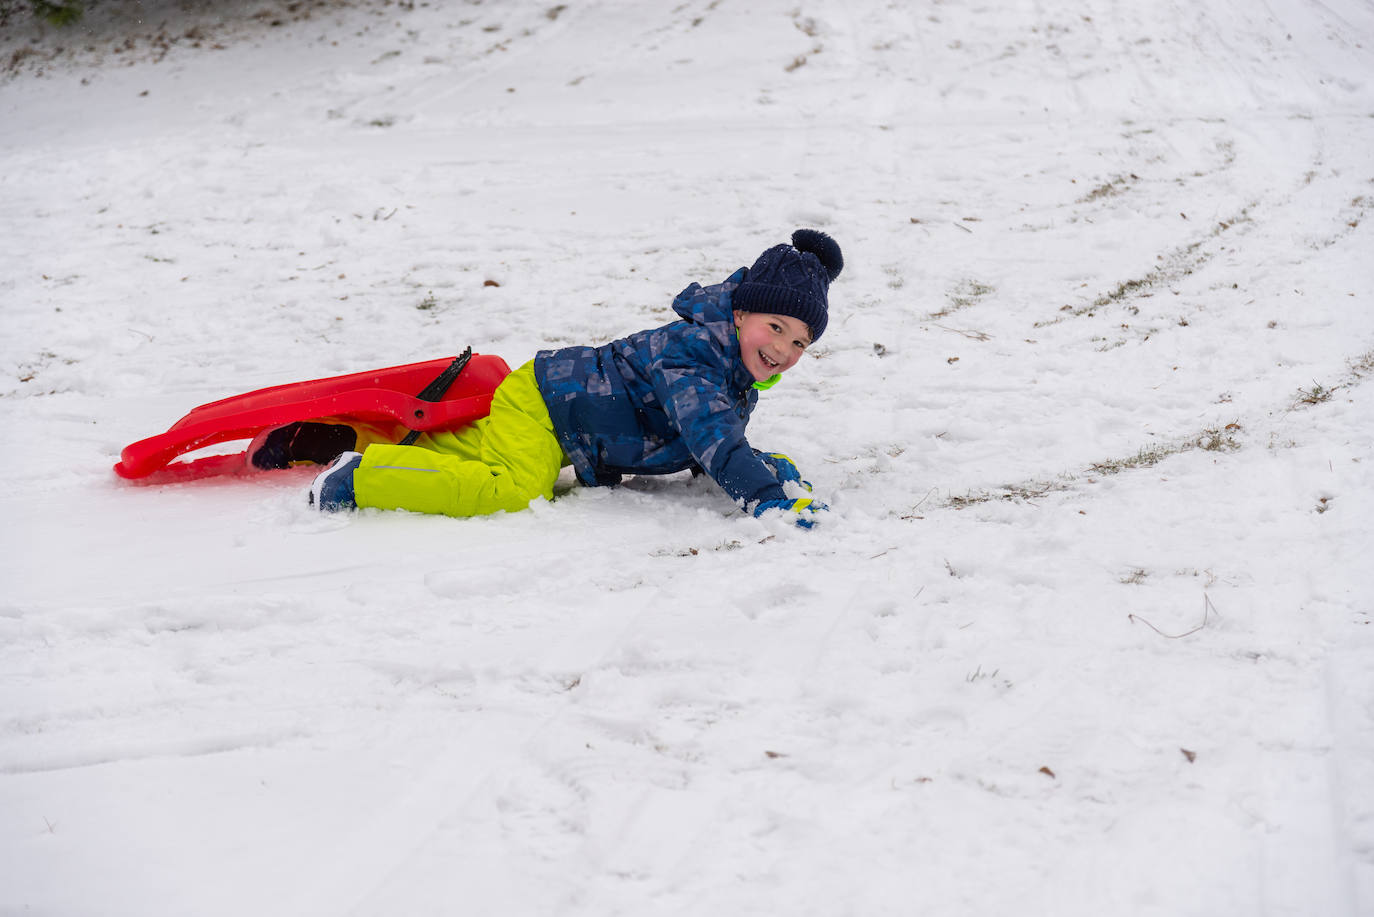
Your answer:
<point x="389" y="394"/>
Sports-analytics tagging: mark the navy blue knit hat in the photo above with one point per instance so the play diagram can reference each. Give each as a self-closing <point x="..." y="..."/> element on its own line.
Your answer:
<point x="793" y="280"/>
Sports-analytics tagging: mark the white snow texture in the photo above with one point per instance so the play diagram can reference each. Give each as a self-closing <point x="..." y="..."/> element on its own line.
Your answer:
<point x="1086" y="632"/>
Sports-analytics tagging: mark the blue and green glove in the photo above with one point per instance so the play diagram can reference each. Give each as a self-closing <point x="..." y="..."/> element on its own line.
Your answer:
<point x="782" y="467"/>
<point x="805" y="509"/>
<point x="785" y="470"/>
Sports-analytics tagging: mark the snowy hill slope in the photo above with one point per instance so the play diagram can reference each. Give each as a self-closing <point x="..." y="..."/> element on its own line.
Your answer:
<point x="1087" y="631"/>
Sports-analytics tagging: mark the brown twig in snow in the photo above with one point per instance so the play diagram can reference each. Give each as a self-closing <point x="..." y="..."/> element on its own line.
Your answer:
<point x="1207" y="609"/>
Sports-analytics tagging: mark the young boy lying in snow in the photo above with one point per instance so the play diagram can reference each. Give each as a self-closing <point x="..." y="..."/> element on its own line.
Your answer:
<point x="654" y="402"/>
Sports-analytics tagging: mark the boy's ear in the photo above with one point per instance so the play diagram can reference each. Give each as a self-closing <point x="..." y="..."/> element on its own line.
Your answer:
<point x="739" y="318"/>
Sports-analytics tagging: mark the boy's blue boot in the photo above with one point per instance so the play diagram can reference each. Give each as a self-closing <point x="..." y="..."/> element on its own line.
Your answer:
<point x="333" y="487"/>
<point x="302" y="441"/>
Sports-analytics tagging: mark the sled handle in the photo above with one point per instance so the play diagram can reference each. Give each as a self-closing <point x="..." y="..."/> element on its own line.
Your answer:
<point x="436" y="389"/>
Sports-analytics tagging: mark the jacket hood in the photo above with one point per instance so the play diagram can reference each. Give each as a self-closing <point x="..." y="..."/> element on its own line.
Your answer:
<point x="710" y="306"/>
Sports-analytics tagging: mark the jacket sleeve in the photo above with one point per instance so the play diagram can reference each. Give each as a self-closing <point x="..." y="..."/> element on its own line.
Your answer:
<point x="689" y="380"/>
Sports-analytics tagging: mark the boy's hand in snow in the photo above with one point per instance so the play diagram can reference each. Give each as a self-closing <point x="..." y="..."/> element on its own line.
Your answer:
<point x="805" y="509"/>
<point x="783" y="468"/>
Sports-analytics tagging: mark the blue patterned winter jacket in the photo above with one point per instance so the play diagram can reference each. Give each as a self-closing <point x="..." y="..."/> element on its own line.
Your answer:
<point x="661" y="400"/>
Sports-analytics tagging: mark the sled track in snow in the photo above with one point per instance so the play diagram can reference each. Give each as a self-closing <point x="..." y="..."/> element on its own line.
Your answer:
<point x="1223" y="438"/>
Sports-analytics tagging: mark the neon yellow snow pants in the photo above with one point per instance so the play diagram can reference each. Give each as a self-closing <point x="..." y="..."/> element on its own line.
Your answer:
<point x="501" y="462"/>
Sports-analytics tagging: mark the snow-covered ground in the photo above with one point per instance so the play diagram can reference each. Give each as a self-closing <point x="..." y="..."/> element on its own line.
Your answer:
<point x="1087" y="631"/>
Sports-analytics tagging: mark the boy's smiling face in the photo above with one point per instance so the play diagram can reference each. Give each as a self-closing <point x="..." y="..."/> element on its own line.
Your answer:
<point x="770" y="344"/>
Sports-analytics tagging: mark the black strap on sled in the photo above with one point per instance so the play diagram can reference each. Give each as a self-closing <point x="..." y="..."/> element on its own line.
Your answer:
<point x="435" y="390"/>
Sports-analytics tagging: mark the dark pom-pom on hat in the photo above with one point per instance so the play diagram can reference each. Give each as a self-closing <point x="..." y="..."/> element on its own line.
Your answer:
<point x="793" y="280"/>
<point x="823" y="247"/>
